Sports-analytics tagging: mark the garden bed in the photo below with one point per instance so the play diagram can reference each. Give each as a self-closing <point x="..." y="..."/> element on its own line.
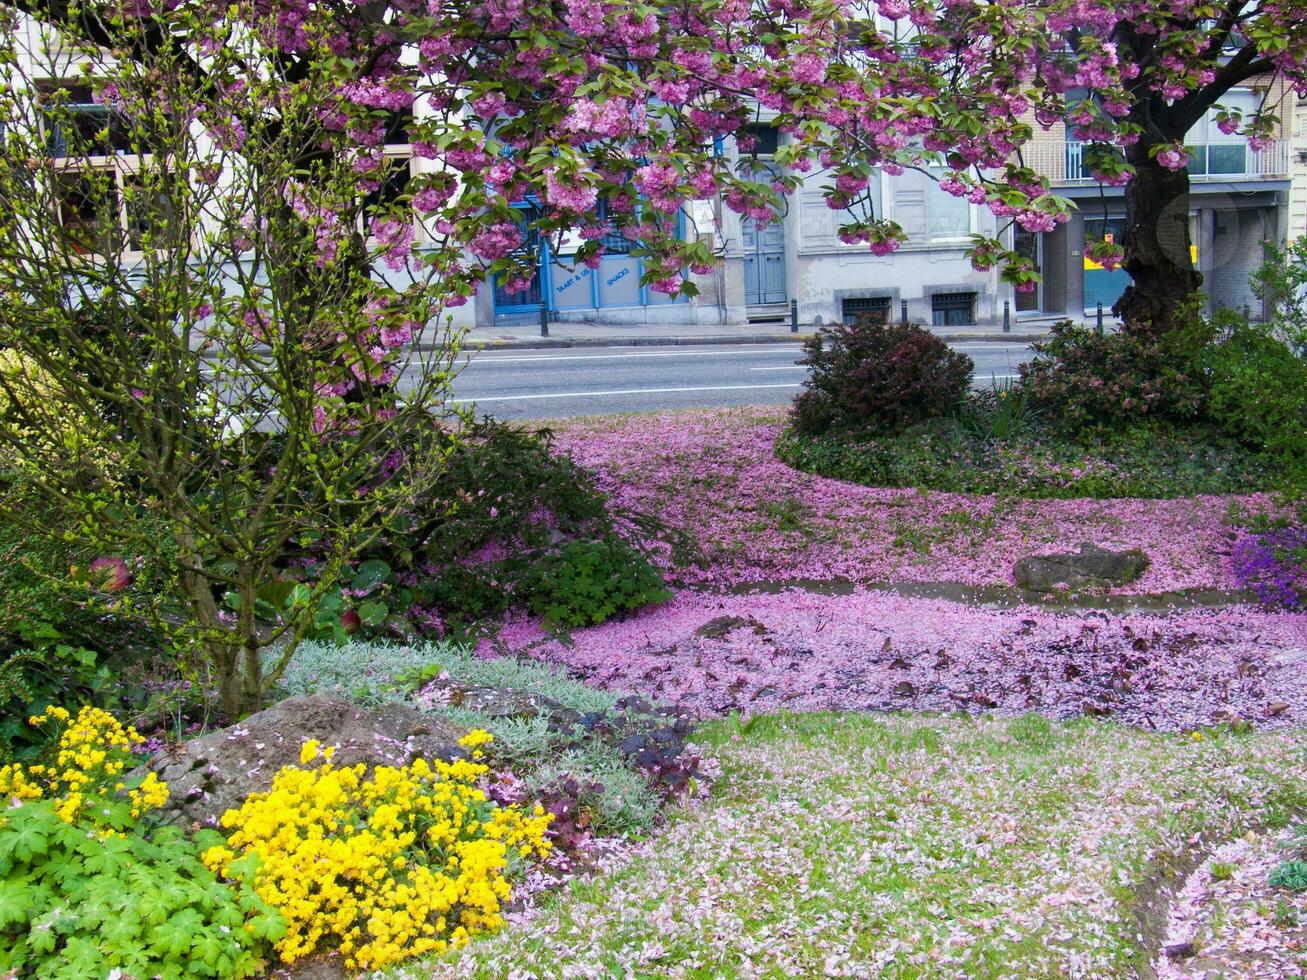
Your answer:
<point x="804" y="651"/>
<point x="714" y="477"/>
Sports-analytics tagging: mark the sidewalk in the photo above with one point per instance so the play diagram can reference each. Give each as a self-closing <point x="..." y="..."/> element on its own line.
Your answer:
<point x="527" y="335"/>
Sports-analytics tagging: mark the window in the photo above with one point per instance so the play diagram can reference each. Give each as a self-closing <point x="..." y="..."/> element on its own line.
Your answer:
<point x="613" y="241"/>
<point x="76" y="125"/>
<point x="146" y="212"/>
<point x="396" y="172"/>
<point x="99" y="205"/>
<point x="766" y="140"/>
<point x="953" y="309"/>
<point x="950" y="217"/>
<point x="1215" y="153"/>
<point x="854" y="308"/>
<point x="106" y="197"/>
<point x="88" y="207"/>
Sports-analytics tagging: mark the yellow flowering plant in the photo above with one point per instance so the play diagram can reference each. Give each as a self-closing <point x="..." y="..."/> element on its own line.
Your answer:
<point x="401" y="862"/>
<point x="91" y="885"/>
<point x="86" y="780"/>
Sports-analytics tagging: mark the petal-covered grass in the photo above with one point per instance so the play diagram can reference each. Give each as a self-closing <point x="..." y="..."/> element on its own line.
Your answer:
<point x="892" y="846"/>
<point x="802" y="651"/>
<point x="714" y="475"/>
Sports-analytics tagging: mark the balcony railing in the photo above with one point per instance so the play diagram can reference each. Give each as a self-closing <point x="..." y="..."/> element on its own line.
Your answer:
<point x="1063" y="163"/>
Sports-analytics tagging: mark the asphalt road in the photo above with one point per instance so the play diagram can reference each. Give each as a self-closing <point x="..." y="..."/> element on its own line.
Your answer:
<point x="533" y="384"/>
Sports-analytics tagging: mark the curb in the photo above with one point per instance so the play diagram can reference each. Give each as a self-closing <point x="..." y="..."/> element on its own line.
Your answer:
<point x="549" y="343"/>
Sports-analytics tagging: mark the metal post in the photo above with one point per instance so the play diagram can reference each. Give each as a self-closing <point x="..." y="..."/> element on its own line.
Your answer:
<point x="544" y="319"/>
<point x="794" y="316"/>
<point x="903" y="311"/>
<point x="1100" y="318"/>
<point x="1007" y="316"/>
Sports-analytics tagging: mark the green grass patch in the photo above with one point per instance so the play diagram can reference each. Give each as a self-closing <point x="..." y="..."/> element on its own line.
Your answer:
<point x="842" y="844"/>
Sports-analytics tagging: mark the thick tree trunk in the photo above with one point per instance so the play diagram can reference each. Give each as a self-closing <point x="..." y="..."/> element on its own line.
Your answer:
<point x="1156" y="243"/>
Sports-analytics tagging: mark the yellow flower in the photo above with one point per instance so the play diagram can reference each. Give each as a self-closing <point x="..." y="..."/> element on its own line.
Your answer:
<point x="382" y="866"/>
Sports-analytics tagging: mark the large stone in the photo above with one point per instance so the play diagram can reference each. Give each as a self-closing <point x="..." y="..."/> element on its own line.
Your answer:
<point x="1090" y="566"/>
<point x="209" y="775"/>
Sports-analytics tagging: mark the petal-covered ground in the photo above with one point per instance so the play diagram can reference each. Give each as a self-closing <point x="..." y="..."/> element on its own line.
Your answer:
<point x="884" y="846"/>
<point x="802" y="651"/>
<point x="1229" y="921"/>
<point x="835" y="646"/>
<point x="713" y="475"/>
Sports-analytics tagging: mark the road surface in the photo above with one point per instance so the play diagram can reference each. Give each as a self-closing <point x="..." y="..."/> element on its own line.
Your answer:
<point x="533" y="384"/>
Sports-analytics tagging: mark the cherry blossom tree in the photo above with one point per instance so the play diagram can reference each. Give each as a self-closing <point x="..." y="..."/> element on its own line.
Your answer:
<point x="962" y="86"/>
<point x="254" y="235"/>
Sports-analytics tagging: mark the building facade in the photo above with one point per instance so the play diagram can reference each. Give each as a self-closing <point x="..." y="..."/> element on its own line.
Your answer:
<point x="1240" y="198"/>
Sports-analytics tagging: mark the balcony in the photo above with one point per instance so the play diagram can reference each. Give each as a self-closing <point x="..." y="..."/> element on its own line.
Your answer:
<point x="1223" y="160"/>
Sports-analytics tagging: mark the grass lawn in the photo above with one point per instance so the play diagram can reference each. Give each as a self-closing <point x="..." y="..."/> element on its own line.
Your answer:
<point x="896" y="846"/>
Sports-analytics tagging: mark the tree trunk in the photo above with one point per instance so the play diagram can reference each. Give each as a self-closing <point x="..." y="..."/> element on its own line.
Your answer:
<point x="1156" y="243"/>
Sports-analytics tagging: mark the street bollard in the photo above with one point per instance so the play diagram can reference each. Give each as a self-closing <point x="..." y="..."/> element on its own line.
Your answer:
<point x="1100" y="319"/>
<point x="1007" y="316"/>
<point x="903" y="312"/>
<point x="544" y="320"/>
<point x="794" y="316"/>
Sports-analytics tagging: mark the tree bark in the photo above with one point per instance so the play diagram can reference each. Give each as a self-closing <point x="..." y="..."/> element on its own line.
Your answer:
<point x="1156" y="243"/>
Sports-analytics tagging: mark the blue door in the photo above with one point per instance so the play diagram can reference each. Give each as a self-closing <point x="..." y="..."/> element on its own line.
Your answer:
<point x="528" y="298"/>
<point x="764" y="262"/>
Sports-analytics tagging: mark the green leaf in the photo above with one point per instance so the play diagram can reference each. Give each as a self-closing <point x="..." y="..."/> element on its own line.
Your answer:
<point x="276" y="593"/>
<point x="15" y="901"/>
<point x="370" y="574"/>
<point x="25" y="840"/>
<point x="373" y="613"/>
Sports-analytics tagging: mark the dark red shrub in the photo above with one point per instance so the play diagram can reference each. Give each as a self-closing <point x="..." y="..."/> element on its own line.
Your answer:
<point x="878" y="377"/>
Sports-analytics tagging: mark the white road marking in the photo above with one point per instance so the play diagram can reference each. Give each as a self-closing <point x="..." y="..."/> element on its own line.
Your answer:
<point x="534" y="358"/>
<point x="626" y="391"/>
<point x="989" y="344"/>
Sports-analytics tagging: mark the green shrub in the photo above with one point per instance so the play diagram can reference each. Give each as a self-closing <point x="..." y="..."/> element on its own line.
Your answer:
<point x="1144" y="460"/>
<point x="1282" y="284"/>
<point x="874" y="376"/>
<point x="1086" y="381"/>
<point x="510" y="524"/>
<point x="587" y="582"/>
<point x="56" y="646"/>
<point x="1258" y="394"/>
<point x="79" y="907"/>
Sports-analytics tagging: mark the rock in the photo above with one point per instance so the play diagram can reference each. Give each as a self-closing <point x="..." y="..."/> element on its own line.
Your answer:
<point x="209" y="775"/>
<point x="1091" y="565"/>
<point x="716" y="629"/>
